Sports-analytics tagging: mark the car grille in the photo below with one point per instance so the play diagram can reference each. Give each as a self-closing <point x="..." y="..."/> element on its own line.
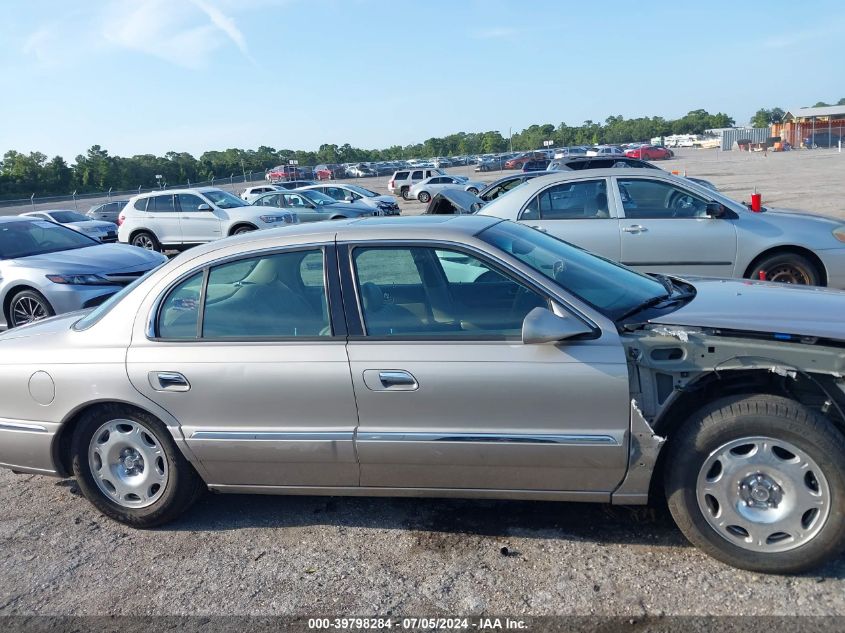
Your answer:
<point x="124" y="279"/>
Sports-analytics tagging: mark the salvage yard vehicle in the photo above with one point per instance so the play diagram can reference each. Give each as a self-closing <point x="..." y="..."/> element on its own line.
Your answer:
<point x="47" y="268"/>
<point x="182" y="218"/>
<point x="100" y="230"/>
<point x="423" y="191"/>
<point x="310" y="205"/>
<point x="656" y="222"/>
<point x="353" y="193"/>
<point x="403" y="179"/>
<point x="458" y="356"/>
<point x="107" y="211"/>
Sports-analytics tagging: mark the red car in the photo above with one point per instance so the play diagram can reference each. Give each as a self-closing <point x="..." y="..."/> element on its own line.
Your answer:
<point x="649" y="152"/>
<point x="282" y="173"/>
<point x="518" y="162"/>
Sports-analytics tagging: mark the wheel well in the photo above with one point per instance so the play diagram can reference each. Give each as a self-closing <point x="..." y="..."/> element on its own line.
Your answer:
<point x="797" y="250"/>
<point x="7" y="300"/>
<point x="134" y="233"/>
<point x="62" y="441"/>
<point x="242" y="225"/>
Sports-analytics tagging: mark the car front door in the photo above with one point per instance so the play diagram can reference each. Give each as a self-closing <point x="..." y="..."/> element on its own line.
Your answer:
<point x="198" y="224"/>
<point x="663" y="227"/>
<point x="247" y="356"/>
<point x="305" y="209"/>
<point x="448" y="395"/>
<point x="579" y="212"/>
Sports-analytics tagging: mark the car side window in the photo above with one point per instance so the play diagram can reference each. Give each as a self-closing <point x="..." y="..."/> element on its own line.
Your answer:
<point x="654" y="199"/>
<point x="179" y="313"/>
<point x="189" y="202"/>
<point x="161" y="204"/>
<point x="141" y="205"/>
<point x="417" y="175"/>
<point x="580" y="200"/>
<point x="335" y="192"/>
<point x="412" y="291"/>
<point x="267" y="297"/>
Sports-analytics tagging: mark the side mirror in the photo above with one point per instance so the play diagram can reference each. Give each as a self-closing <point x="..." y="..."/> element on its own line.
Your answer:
<point x="203" y="207"/>
<point x="715" y="210"/>
<point x="541" y="325"/>
<point x="349" y="199"/>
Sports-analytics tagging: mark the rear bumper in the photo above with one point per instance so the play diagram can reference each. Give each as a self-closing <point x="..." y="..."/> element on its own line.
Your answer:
<point x="27" y="446"/>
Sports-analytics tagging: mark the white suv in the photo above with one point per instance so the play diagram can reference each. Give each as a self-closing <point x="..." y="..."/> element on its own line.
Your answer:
<point x="180" y="218"/>
<point x="403" y="179"/>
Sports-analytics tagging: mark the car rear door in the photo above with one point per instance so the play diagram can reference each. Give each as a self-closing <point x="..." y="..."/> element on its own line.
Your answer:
<point x="198" y="225"/>
<point x="664" y="228"/>
<point x="162" y="217"/>
<point x="249" y="356"/>
<point x="579" y="212"/>
<point x="450" y="398"/>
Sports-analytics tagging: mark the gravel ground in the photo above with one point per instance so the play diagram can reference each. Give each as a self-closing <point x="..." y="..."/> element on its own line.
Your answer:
<point x="319" y="555"/>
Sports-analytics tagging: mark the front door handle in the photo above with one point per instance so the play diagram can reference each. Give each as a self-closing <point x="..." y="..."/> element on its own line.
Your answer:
<point x="635" y="228"/>
<point x="168" y="381"/>
<point x="542" y="229"/>
<point x="390" y="380"/>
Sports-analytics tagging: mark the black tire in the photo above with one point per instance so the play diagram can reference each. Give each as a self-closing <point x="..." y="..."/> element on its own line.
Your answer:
<point x="28" y="306"/>
<point x="244" y="228"/>
<point x="146" y="240"/>
<point x="790" y="268"/>
<point x="183" y="485"/>
<point x="406" y="193"/>
<point x="736" y="418"/>
<point x="424" y="197"/>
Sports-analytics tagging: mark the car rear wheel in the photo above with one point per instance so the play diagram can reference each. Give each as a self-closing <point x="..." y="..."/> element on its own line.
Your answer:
<point x="146" y="240"/>
<point x="424" y="196"/>
<point x="128" y="467"/>
<point x="406" y="193"/>
<point x="787" y="268"/>
<point x="28" y="306"/>
<point x="758" y="482"/>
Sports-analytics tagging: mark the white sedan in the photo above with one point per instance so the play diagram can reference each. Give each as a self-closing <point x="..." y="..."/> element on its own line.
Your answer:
<point x="423" y="191"/>
<point x="97" y="229"/>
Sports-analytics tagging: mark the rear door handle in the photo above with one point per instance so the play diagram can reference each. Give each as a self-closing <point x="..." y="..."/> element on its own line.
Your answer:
<point x="635" y="228"/>
<point x="168" y="381"/>
<point x="390" y="380"/>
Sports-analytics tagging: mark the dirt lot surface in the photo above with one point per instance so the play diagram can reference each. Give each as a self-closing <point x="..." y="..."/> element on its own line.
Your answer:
<point x="318" y="555"/>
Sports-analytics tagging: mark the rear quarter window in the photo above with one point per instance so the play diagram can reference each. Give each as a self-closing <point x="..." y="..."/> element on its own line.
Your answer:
<point x="141" y="205"/>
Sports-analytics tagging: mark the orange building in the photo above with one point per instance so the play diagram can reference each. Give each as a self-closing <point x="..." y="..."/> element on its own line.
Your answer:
<point x="812" y="127"/>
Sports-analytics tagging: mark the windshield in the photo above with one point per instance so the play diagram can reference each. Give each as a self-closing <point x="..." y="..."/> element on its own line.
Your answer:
<point x="317" y="198"/>
<point x="224" y="199"/>
<point x="25" y="239"/>
<point x="93" y="317"/>
<point x="67" y="216"/>
<point x="364" y="192"/>
<point x="610" y="288"/>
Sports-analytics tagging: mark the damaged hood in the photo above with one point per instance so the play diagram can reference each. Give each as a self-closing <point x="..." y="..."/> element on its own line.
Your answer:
<point x="759" y="306"/>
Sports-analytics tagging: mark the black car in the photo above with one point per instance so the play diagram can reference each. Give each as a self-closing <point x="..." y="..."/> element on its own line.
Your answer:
<point x="597" y="162"/>
<point x="108" y="211"/>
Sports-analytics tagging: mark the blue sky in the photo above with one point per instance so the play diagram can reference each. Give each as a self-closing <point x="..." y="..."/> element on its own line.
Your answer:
<point x="149" y="76"/>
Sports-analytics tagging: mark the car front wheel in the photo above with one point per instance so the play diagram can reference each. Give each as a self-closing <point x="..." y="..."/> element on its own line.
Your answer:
<point x="758" y="482"/>
<point x="424" y="196"/>
<point x="28" y="306"/>
<point x="787" y="268"/>
<point x="128" y="467"/>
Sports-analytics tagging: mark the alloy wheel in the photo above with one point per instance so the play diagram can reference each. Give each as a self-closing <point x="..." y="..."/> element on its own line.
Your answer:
<point x="763" y="494"/>
<point x="27" y="310"/>
<point x="128" y="463"/>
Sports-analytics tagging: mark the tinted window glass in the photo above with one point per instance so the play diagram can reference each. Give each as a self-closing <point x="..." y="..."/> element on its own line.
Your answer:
<point x="401" y="175"/>
<point x="418" y="291"/>
<point x="265" y="297"/>
<point x="417" y="175"/>
<point x="654" y="199"/>
<point x="141" y="205"/>
<point x="180" y="311"/>
<point x="570" y="201"/>
<point x="38" y="237"/>
<point x="190" y="202"/>
<point x="161" y="204"/>
<point x="272" y="200"/>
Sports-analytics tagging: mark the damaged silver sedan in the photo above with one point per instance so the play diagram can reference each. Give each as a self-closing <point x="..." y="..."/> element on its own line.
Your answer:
<point x="451" y="356"/>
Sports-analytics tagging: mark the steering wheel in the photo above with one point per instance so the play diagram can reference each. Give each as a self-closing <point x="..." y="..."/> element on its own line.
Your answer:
<point x="680" y="204"/>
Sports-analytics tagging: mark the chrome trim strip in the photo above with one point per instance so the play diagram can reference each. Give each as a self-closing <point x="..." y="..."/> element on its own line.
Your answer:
<point x="575" y="440"/>
<point x="276" y="436"/>
<point x="22" y="426"/>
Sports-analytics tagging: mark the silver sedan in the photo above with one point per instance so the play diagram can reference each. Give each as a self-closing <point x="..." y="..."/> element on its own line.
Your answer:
<point x="457" y="356"/>
<point x="47" y="269"/>
<point x="425" y="190"/>
<point x="656" y="222"/>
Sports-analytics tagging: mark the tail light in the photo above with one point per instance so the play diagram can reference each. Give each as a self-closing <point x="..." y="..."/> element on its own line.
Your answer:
<point x="120" y="219"/>
<point x="391" y="184"/>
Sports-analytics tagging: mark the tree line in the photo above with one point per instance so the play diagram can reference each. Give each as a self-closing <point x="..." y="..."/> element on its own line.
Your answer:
<point x="21" y="174"/>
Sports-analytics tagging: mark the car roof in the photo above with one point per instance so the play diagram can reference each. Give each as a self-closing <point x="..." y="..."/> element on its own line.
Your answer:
<point x="177" y="191"/>
<point x="16" y="218"/>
